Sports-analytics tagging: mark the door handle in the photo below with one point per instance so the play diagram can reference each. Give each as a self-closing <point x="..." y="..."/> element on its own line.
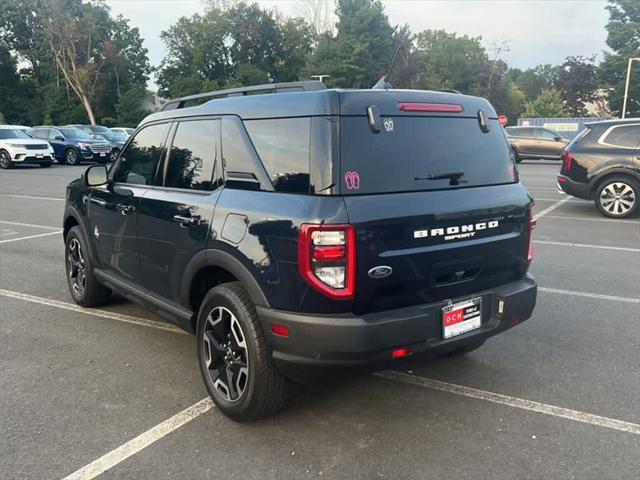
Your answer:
<point x="98" y="201"/>
<point x="187" y="221"/>
<point x="126" y="209"/>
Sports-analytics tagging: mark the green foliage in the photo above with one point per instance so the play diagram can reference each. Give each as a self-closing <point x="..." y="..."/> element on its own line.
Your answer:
<point x="128" y="109"/>
<point x="548" y="104"/>
<point x="533" y="81"/>
<point x="577" y="84"/>
<point x="362" y="49"/>
<point x="623" y="37"/>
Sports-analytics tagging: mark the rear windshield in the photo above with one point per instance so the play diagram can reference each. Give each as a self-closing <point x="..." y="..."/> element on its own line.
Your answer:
<point x="409" y="150"/>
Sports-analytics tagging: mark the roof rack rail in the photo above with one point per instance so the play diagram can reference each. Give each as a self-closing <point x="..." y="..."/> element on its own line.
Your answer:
<point x="304" y="86"/>
<point x="450" y="90"/>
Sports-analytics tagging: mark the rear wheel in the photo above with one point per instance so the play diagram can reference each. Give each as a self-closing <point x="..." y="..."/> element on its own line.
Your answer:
<point x="83" y="285"/>
<point x="71" y="157"/>
<point x="5" y="160"/>
<point x="617" y="197"/>
<point x="234" y="360"/>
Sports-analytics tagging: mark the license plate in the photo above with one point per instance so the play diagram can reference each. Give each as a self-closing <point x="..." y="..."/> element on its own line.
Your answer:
<point x="39" y="155"/>
<point x="461" y="317"/>
<point x="103" y="154"/>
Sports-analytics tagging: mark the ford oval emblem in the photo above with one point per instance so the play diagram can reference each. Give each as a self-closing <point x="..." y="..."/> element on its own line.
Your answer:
<point x="381" y="271"/>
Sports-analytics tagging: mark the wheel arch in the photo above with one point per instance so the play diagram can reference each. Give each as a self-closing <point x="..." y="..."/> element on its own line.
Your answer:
<point x="598" y="179"/>
<point x="209" y="268"/>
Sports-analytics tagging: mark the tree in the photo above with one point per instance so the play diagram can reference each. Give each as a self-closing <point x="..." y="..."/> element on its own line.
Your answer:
<point x="362" y="49"/>
<point x="533" y="81"/>
<point x="549" y="104"/>
<point x="623" y="37"/>
<point x="577" y="84"/>
<point x="319" y="17"/>
<point x="17" y="103"/>
<point x="129" y="110"/>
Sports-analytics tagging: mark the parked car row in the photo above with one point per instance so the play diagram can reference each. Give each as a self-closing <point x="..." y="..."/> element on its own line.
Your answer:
<point x="71" y="144"/>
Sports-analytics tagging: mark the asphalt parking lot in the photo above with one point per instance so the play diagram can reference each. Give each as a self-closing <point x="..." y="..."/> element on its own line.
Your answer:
<point x="116" y="393"/>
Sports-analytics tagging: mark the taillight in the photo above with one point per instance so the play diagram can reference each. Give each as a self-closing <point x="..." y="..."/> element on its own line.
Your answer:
<point x="532" y="226"/>
<point x="430" y="107"/>
<point x="327" y="259"/>
<point x="568" y="160"/>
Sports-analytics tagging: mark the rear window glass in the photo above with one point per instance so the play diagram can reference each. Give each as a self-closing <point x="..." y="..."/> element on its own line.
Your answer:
<point x="410" y="149"/>
<point x="283" y="147"/>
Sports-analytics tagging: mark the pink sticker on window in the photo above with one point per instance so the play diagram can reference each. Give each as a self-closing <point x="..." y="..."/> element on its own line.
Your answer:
<point x="352" y="179"/>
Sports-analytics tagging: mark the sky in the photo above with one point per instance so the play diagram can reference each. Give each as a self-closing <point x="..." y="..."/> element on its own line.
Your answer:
<point x="537" y="31"/>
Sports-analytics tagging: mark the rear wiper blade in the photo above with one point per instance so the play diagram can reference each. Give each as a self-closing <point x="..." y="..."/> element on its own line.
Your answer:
<point x="454" y="175"/>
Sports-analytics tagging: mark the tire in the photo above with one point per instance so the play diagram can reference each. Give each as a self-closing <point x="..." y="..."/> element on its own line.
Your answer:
<point x="464" y="350"/>
<point x="618" y="196"/>
<point x="227" y="318"/>
<point x="46" y="165"/>
<point x="71" y="157"/>
<point x="83" y="285"/>
<point x="5" y="160"/>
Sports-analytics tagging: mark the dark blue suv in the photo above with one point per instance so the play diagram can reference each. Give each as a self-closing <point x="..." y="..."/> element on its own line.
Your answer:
<point x="72" y="145"/>
<point x="299" y="230"/>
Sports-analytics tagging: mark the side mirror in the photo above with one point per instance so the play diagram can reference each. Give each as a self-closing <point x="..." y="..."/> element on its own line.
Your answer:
<point x="58" y="137"/>
<point x="96" y="175"/>
<point x="557" y="139"/>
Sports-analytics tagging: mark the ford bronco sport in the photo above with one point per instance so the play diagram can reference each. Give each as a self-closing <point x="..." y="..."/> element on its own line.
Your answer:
<point x="291" y="228"/>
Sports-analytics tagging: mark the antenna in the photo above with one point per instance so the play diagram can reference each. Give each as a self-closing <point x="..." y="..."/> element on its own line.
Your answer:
<point x="383" y="83"/>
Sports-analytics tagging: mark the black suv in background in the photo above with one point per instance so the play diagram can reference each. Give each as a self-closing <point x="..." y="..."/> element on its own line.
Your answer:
<point x="298" y="229"/>
<point x="603" y="164"/>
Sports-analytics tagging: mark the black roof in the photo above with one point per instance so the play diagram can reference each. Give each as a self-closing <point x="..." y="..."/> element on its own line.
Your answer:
<point x="327" y="102"/>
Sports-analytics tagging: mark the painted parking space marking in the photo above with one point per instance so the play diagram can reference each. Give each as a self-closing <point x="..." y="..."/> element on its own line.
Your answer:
<point x="8" y="240"/>
<point x="599" y="296"/>
<point x="590" y="219"/>
<point x="142" y="441"/>
<point x="93" y="311"/>
<point x="29" y="225"/>
<point x="586" y="245"/>
<point x="551" y="208"/>
<point x="515" y="402"/>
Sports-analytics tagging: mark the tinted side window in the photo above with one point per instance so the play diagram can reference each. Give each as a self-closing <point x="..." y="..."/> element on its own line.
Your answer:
<point x="138" y="164"/>
<point x="283" y="147"/>
<point x="625" y="136"/>
<point x="193" y="155"/>
<point x="546" y="134"/>
<point x="53" y="133"/>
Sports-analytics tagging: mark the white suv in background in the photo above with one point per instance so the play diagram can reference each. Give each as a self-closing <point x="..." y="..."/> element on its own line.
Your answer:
<point x="16" y="147"/>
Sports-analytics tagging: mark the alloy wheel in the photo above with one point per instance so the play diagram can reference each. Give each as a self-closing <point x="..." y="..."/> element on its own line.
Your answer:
<point x="72" y="157"/>
<point x="76" y="267"/>
<point x="617" y="198"/>
<point x="5" y="160"/>
<point x="226" y="355"/>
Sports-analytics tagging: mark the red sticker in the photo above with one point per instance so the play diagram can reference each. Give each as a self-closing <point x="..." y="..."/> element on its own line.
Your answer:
<point x="352" y="179"/>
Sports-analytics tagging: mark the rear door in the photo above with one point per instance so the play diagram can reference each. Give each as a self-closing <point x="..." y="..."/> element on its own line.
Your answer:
<point x="175" y="215"/>
<point x="442" y="237"/>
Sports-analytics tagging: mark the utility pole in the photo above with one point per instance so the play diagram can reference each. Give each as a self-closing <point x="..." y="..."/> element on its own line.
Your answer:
<point x="626" y="85"/>
<point x="320" y="77"/>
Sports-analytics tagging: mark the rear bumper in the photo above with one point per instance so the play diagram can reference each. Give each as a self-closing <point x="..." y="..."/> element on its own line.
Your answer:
<point x="351" y="340"/>
<point x="570" y="187"/>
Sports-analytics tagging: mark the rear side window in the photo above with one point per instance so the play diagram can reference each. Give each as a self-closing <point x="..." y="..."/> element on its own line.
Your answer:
<point x="41" y="133"/>
<point x="193" y="155"/>
<point x="138" y="164"/>
<point x="626" y="136"/>
<point x="409" y="150"/>
<point x="283" y="147"/>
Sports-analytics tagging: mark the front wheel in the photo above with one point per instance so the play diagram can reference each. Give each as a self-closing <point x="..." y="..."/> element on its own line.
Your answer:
<point x="5" y="160"/>
<point x="71" y="157"/>
<point x="234" y="359"/>
<point x="83" y="285"/>
<point x="617" y="197"/>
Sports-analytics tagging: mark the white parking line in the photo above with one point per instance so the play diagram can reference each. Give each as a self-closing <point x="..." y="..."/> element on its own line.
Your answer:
<point x="30" y="225"/>
<point x="551" y="208"/>
<point x="142" y="441"/>
<point x="586" y="245"/>
<point x="59" y="199"/>
<point x="93" y="311"/>
<point x="515" y="402"/>
<point x="589" y="295"/>
<point x="589" y="219"/>
<point x="30" y="236"/>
